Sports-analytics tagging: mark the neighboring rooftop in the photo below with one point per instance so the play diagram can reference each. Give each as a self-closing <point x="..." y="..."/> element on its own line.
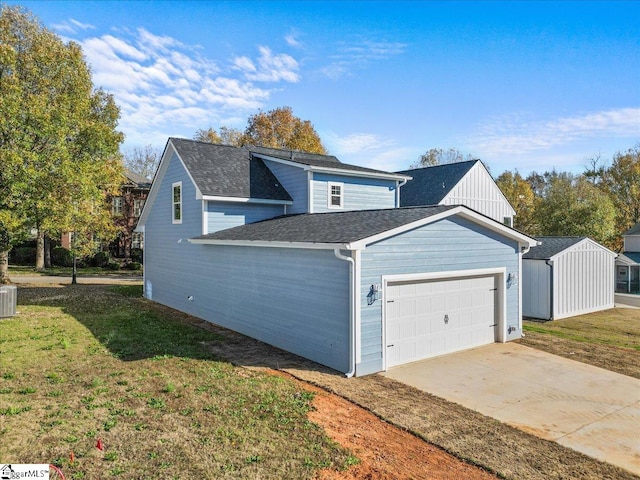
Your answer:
<point x="431" y="184"/>
<point x="333" y="227"/>
<point x="137" y="179"/>
<point x="635" y="230"/>
<point x="226" y="171"/>
<point x="314" y="160"/>
<point x="551" y="246"/>
<point x="633" y="256"/>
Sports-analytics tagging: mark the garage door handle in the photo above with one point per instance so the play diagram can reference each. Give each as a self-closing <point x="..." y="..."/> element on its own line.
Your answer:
<point x="390" y="301"/>
<point x="390" y="345"/>
<point x="494" y="325"/>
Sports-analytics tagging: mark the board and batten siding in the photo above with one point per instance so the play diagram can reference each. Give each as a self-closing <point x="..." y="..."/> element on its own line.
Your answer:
<point x="536" y="289"/>
<point x="444" y="246"/>
<point x="295" y="181"/>
<point x="478" y="191"/>
<point x="359" y="193"/>
<point x="294" y="299"/>
<point x="223" y="215"/>
<point x="583" y="280"/>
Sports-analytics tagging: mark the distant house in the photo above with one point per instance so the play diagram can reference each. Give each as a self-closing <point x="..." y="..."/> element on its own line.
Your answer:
<point x="315" y="256"/>
<point x="126" y="209"/>
<point x="464" y="183"/>
<point x="567" y="276"/>
<point x="628" y="262"/>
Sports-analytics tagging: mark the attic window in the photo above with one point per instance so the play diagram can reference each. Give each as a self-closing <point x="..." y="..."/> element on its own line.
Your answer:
<point x="507" y="221"/>
<point x="335" y="195"/>
<point x="177" y="202"/>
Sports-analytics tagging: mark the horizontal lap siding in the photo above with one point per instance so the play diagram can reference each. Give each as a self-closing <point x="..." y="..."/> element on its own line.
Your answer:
<point x="584" y="280"/>
<point x="223" y="215"/>
<point x="446" y="245"/>
<point x="295" y="181"/>
<point x="292" y="298"/>
<point x="359" y="193"/>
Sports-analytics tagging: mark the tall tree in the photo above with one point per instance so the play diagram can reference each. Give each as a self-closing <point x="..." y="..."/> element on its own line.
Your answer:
<point x="56" y="133"/>
<point x="520" y="194"/>
<point x="280" y="128"/>
<point x="574" y="206"/>
<point x="226" y="136"/>
<point x="143" y="160"/>
<point x="440" y="156"/>
<point x="621" y="181"/>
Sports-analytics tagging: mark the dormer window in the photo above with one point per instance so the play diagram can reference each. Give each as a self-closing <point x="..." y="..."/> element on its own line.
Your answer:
<point x="335" y="195"/>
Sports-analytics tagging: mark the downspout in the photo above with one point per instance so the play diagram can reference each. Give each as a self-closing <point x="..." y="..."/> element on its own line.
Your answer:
<point x="352" y="311"/>
<point x="399" y="184"/>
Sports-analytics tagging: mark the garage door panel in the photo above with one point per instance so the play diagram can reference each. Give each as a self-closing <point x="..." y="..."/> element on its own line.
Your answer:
<point x="428" y="318"/>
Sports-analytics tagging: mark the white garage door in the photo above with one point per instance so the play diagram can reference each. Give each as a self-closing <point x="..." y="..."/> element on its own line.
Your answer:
<point x="433" y="317"/>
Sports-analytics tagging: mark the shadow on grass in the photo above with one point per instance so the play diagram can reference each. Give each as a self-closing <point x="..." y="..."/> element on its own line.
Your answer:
<point x="133" y="328"/>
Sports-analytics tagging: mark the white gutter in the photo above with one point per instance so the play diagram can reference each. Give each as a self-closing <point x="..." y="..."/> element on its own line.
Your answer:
<point x="398" y="185"/>
<point x="352" y="313"/>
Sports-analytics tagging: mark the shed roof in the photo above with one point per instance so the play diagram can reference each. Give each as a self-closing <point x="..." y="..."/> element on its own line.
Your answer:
<point x="226" y="171"/>
<point x="551" y="246"/>
<point x="431" y="184"/>
<point x="635" y="230"/>
<point x="630" y="257"/>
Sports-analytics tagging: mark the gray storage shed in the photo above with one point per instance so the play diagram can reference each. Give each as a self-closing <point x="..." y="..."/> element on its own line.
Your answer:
<point x="567" y="276"/>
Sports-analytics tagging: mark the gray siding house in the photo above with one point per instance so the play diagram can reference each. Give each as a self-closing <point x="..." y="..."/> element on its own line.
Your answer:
<point x="316" y="257"/>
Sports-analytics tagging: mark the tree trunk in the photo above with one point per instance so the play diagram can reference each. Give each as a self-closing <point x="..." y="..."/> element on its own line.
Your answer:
<point x="4" y="268"/>
<point x="47" y="252"/>
<point x="40" y="251"/>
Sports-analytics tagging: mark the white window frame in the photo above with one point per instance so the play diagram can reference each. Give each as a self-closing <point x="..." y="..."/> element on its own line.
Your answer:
<point x="137" y="240"/>
<point x="138" y="205"/>
<point x="508" y="221"/>
<point x="117" y="205"/>
<point x="330" y="195"/>
<point x="174" y="203"/>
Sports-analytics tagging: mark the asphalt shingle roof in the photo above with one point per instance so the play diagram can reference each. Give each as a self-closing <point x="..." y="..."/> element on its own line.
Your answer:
<point x="550" y="247"/>
<point x="633" y="256"/>
<point x="313" y="159"/>
<point x="333" y="227"/>
<point x="222" y="170"/>
<point x="431" y="184"/>
<point x="137" y="179"/>
<point x="635" y="230"/>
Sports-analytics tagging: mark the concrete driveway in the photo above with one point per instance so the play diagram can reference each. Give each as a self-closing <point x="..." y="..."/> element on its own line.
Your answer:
<point x="588" y="409"/>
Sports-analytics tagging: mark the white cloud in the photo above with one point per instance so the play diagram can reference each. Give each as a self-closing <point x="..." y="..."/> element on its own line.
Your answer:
<point x="72" y="26"/>
<point x="370" y="150"/>
<point x="357" y="55"/>
<point x="268" y="67"/>
<point x="292" y="40"/>
<point x="164" y="86"/>
<point x="358" y="142"/>
<point x="516" y="135"/>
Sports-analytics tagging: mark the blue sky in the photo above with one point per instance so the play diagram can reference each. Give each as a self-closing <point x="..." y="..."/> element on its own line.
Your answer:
<point x="520" y="85"/>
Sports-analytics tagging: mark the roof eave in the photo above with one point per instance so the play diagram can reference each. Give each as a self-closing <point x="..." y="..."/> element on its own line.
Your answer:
<point x="272" y="244"/>
<point x="217" y="198"/>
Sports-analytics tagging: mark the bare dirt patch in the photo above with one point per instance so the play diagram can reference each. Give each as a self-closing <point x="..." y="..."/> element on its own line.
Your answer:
<point x="384" y="451"/>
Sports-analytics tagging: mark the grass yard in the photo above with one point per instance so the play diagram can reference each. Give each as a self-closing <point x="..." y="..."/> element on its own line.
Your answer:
<point x="19" y="271"/>
<point x="84" y="363"/>
<point x="609" y="339"/>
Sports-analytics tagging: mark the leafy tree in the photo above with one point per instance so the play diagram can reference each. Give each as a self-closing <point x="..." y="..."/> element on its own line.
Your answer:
<point x="440" y="156"/>
<point x="520" y="194"/>
<point x="143" y="160"/>
<point x="57" y="135"/>
<point x="621" y="181"/>
<point x="226" y="136"/>
<point x="574" y="206"/>
<point x="280" y="128"/>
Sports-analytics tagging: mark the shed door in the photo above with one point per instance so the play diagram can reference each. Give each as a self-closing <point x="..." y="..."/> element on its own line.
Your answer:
<point x="429" y="318"/>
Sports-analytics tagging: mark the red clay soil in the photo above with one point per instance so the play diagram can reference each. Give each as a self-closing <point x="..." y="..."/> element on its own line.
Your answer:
<point x="385" y="452"/>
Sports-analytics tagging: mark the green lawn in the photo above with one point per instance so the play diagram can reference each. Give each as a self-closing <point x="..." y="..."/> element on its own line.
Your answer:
<point x="67" y="271"/>
<point x="82" y="363"/>
<point x="609" y="339"/>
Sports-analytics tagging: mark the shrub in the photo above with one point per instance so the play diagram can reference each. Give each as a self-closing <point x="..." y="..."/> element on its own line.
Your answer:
<point x="111" y="265"/>
<point x="61" y="257"/>
<point x="136" y="255"/>
<point x="23" y="256"/>
<point x="101" y="259"/>
<point x="133" y="266"/>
